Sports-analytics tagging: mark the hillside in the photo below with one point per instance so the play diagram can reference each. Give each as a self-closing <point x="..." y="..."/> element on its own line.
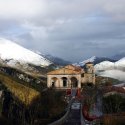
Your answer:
<point x="95" y="60"/>
<point x="12" y="53"/>
<point x="57" y="60"/>
<point x="16" y="56"/>
<point x="21" y="92"/>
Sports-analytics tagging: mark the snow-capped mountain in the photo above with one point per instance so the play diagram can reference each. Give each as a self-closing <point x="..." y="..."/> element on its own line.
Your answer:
<point x="107" y="65"/>
<point x="120" y="63"/>
<point x="56" y="60"/>
<point x="94" y="60"/>
<point x="12" y="53"/>
<point x="111" y="69"/>
<point x="116" y="74"/>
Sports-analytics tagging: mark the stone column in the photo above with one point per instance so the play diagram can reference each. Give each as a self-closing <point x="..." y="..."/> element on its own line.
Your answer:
<point x="61" y="83"/>
<point x="48" y="81"/>
<point x="68" y="82"/>
<point x="79" y="84"/>
<point x="79" y="81"/>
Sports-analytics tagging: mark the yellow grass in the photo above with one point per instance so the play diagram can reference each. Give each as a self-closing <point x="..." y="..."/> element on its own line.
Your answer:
<point x="23" y="93"/>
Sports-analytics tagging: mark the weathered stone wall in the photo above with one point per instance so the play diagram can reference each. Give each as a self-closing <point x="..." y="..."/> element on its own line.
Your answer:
<point x="82" y="77"/>
<point x="88" y="78"/>
<point x="59" y="81"/>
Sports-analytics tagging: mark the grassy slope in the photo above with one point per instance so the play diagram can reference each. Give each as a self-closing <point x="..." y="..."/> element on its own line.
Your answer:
<point x="35" y="76"/>
<point x="23" y="93"/>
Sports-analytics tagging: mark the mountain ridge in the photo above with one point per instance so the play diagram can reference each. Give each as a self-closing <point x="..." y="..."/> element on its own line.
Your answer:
<point x="111" y="69"/>
<point x="57" y="60"/>
<point x="9" y="51"/>
<point x="95" y="60"/>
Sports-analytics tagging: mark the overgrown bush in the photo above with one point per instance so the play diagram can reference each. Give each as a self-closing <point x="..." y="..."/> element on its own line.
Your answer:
<point x="46" y="108"/>
<point x="113" y="104"/>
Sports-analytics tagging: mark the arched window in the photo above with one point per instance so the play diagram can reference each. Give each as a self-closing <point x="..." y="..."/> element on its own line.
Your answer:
<point x="64" y="81"/>
<point x="74" y="82"/>
<point x="54" y="81"/>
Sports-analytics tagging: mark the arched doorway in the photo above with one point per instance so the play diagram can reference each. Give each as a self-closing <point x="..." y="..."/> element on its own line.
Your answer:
<point x="64" y="81"/>
<point x="74" y="82"/>
<point x="54" y="81"/>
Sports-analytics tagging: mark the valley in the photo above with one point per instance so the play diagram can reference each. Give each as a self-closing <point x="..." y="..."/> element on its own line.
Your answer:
<point x="28" y="96"/>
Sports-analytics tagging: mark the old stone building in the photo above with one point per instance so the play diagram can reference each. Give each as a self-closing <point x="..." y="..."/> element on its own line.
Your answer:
<point x="71" y="76"/>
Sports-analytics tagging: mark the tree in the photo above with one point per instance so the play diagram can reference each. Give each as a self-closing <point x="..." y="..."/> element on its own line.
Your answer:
<point x="89" y="92"/>
<point x="113" y="104"/>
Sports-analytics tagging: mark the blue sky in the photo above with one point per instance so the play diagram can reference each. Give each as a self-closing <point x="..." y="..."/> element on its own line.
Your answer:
<point x="70" y="29"/>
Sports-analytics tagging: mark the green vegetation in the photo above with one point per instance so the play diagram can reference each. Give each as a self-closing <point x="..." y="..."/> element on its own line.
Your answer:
<point x="44" y="109"/>
<point x="105" y="81"/>
<point x="89" y="92"/>
<point x="26" y="103"/>
<point x="23" y="93"/>
<point x="50" y="106"/>
<point x="0" y="107"/>
<point x="12" y="73"/>
<point x="4" y="121"/>
<point x="113" y="104"/>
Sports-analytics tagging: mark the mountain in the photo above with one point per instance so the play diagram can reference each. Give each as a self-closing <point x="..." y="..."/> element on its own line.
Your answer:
<point x="116" y="74"/>
<point x="15" y="56"/>
<point x="111" y="69"/>
<point x="120" y="64"/>
<point x="118" y="56"/>
<point x="92" y="59"/>
<point x="12" y="53"/>
<point x="107" y="65"/>
<point x="95" y="60"/>
<point x="57" y="60"/>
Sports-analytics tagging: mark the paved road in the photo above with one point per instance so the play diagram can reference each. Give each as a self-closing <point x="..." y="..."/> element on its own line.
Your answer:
<point x="74" y="118"/>
<point x="73" y="92"/>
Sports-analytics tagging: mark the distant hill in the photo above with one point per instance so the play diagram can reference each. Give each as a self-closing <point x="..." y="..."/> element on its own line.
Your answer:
<point x="95" y="60"/>
<point x="118" y="56"/>
<point x="57" y="60"/>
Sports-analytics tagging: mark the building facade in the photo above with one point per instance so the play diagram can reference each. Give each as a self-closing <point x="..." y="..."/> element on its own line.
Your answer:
<point x="71" y="76"/>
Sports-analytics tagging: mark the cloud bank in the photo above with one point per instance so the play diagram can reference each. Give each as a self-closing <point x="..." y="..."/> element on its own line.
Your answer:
<point x="71" y="29"/>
